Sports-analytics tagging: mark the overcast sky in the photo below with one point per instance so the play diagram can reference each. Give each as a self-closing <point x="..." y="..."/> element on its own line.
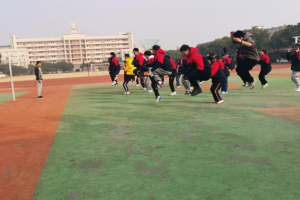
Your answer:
<point x="174" y="22"/>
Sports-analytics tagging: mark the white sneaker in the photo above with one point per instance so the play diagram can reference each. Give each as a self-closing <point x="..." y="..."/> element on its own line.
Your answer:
<point x="143" y="89"/>
<point x="137" y="85"/>
<point x="126" y="93"/>
<point x="220" y="102"/>
<point x="191" y="88"/>
<point x="201" y="82"/>
<point x="158" y="99"/>
<point x="173" y="94"/>
<point x="224" y="92"/>
<point x="149" y="91"/>
<point x="113" y="83"/>
<point x="178" y="86"/>
<point x="264" y="86"/>
<point x="297" y="89"/>
<point x="251" y="85"/>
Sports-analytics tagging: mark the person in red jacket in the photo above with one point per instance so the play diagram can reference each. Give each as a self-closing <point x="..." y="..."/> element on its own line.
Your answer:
<point x="150" y="63"/>
<point x="218" y="78"/>
<point x="172" y="76"/>
<point x="161" y="66"/>
<point x="114" y="68"/>
<point x="199" y="68"/>
<point x="266" y="67"/>
<point x="140" y="63"/>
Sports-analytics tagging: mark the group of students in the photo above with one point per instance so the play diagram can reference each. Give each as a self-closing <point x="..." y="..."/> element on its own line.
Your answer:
<point x="195" y="68"/>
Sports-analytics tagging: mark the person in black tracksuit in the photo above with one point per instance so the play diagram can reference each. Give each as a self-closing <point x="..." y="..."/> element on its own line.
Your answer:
<point x="218" y="79"/>
<point x="224" y="67"/>
<point x="266" y="67"/>
<point x="114" y="68"/>
<point x="140" y="63"/>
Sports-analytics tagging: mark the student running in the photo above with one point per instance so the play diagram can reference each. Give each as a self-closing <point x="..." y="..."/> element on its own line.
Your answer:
<point x="218" y="79"/>
<point x="114" y="68"/>
<point x="249" y="55"/>
<point x="140" y="64"/>
<point x="161" y="66"/>
<point x="199" y="68"/>
<point x="185" y="70"/>
<point x="265" y="68"/>
<point x="148" y="55"/>
<point x="128" y="70"/>
<point x="172" y="77"/>
<point x="154" y="86"/>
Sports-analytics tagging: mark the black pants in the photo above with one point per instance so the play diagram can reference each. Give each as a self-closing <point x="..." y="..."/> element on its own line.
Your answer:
<point x="140" y="71"/>
<point x="113" y="77"/>
<point x="154" y="86"/>
<point x="162" y="78"/>
<point x="127" y="78"/>
<point x="262" y="75"/>
<point x="195" y="75"/>
<point x="142" y="81"/>
<point x="171" y="83"/>
<point x="215" y="87"/>
<point x="244" y="67"/>
<point x="237" y="69"/>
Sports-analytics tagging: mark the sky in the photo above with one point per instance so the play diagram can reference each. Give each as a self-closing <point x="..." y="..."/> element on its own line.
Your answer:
<point x="173" y="22"/>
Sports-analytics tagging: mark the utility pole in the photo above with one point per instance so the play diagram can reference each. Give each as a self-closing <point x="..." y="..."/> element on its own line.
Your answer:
<point x="11" y="79"/>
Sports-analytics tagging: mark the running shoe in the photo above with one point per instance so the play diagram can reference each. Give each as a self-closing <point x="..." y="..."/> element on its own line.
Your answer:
<point x="173" y="94"/>
<point x="297" y="89"/>
<point x="126" y="93"/>
<point x="137" y="85"/>
<point x="188" y="93"/>
<point x="113" y="83"/>
<point x="116" y="83"/>
<point x="158" y="99"/>
<point x="251" y="85"/>
<point x="264" y="86"/>
<point x="40" y="97"/>
<point x="149" y="91"/>
<point x="161" y="85"/>
<point x="220" y="102"/>
<point x="223" y="92"/>
<point x="143" y="89"/>
<point x="178" y="86"/>
<point x="197" y="91"/>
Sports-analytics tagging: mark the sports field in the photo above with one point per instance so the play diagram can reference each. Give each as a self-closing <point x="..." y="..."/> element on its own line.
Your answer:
<point x="86" y="140"/>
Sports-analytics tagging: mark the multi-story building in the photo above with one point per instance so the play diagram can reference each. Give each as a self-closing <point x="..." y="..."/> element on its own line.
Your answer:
<point x="75" y="48"/>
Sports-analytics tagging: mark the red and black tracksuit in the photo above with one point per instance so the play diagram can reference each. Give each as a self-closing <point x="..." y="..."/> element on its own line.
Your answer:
<point x="294" y="57"/>
<point x="218" y="79"/>
<point x="114" y="69"/>
<point x="153" y="81"/>
<point x="140" y="63"/>
<point x="266" y="67"/>
<point x="199" y="68"/>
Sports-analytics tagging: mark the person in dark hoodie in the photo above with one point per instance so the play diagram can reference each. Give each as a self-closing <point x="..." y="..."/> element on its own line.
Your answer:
<point x="114" y="68"/>
<point x="265" y="68"/>
<point x="295" y="58"/>
<point x="199" y="68"/>
<point x="249" y="55"/>
<point x="218" y="79"/>
<point x="172" y="76"/>
<point x="140" y="63"/>
<point x="161" y="66"/>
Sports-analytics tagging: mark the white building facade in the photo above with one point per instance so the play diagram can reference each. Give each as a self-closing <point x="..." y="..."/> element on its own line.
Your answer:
<point x="74" y="48"/>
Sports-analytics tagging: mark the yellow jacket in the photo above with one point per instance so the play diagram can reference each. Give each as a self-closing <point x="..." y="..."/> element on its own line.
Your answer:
<point x="129" y="67"/>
